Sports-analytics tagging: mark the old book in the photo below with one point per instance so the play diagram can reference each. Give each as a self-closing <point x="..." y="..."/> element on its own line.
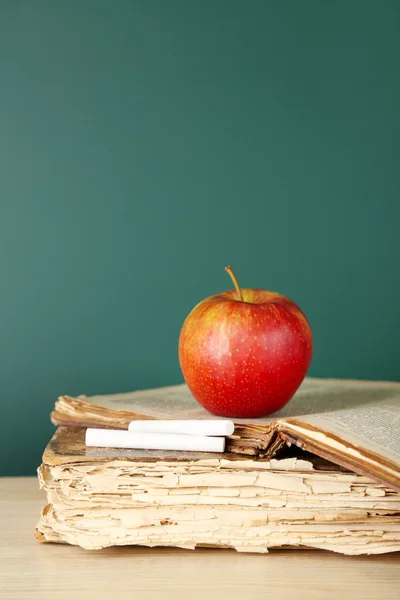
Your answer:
<point x="355" y="424"/>
<point x="103" y="497"/>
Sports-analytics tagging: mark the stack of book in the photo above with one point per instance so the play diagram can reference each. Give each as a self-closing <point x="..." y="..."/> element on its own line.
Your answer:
<point x="323" y="473"/>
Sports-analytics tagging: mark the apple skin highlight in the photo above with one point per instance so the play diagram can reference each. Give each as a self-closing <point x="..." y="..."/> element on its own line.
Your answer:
<point x="245" y="358"/>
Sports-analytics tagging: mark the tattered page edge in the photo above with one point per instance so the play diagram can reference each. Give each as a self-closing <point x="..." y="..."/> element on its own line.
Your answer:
<point x="368" y="463"/>
<point x="286" y="434"/>
<point x="95" y="415"/>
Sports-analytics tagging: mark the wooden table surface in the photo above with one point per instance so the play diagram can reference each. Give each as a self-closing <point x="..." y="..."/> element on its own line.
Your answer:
<point x="52" y="571"/>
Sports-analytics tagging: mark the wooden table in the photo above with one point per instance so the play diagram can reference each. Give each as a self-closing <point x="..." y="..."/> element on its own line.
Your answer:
<point x="51" y="571"/>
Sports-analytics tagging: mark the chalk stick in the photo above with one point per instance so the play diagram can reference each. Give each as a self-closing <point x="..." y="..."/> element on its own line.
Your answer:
<point x="114" y="438"/>
<point x="199" y="427"/>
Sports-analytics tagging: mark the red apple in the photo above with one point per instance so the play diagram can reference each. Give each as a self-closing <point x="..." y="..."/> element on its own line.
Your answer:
<point x="244" y="353"/>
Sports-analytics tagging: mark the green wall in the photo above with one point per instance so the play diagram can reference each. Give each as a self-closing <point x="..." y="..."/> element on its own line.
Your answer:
<point x="144" y="145"/>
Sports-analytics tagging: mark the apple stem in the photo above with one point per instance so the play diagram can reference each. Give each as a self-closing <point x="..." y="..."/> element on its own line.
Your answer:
<point x="232" y="275"/>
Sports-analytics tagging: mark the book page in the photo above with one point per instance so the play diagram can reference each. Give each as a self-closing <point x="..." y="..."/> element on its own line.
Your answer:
<point x="177" y="402"/>
<point x="173" y="402"/>
<point x="314" y="397"/>
<point x="373" y="425"/>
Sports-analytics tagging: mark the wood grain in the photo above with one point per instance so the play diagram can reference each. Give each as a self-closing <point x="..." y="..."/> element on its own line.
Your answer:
<point x="29" y="570"/>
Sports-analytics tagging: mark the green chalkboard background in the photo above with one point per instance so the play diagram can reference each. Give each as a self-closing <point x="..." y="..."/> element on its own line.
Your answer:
<point x="144" y="145"/>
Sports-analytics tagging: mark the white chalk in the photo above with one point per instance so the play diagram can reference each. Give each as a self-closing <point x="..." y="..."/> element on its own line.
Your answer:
<point x="115" y="438"/>
<point x="211" y="427"/>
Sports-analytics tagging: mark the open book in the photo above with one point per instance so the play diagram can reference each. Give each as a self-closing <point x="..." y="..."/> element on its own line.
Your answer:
<point x="355" y="424"/>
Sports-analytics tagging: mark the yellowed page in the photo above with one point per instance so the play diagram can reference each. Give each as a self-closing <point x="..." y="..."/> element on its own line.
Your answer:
<point x="359" y="428"/>
<point x="315" y="396"/>
<point x="374" y="425"/>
